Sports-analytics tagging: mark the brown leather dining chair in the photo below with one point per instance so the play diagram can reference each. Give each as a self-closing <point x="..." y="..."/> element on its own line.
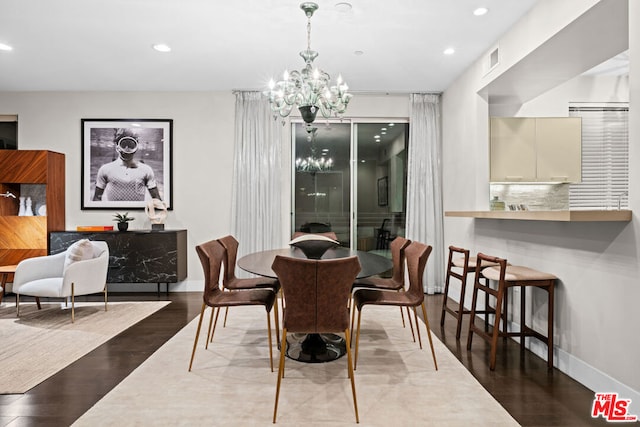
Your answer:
<point x="416" y="255"/>
<point x="211" y="256"/>
<point x="231" y="282"/>
<point x="393" y="283"/>
<point x="315" y="295"/>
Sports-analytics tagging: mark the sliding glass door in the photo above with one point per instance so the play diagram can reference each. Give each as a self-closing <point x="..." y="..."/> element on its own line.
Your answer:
<point x="350" y="178"/>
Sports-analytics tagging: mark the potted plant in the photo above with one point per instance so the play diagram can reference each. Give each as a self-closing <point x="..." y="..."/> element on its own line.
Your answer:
<point x="123" y="220"/>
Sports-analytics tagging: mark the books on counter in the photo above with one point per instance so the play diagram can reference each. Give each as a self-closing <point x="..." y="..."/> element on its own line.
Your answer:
<point x="94" y="228"/>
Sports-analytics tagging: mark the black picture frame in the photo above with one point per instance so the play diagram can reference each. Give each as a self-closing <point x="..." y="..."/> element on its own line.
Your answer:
<point x="383" y="191"/>
<point x="153" y="148"/>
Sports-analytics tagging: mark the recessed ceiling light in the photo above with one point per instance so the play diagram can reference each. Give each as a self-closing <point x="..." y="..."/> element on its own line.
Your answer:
<point x="343" y="7"/>
<point x="358" y="53"/>
<point x="383" y="128"/>
<point x="449" y="51"/>
<point x="392" y="124"/>
<point x="161" y="47"/>
<point x="5" y="47"/>
<point x="480" y="11"/>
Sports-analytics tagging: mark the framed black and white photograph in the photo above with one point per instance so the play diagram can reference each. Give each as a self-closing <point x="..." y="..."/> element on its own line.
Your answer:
<point x="383" y="191"/>
<point x="126" y="163"/>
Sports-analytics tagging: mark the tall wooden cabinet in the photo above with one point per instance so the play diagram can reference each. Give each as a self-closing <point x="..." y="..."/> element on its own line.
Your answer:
<point x="38" y="174"/>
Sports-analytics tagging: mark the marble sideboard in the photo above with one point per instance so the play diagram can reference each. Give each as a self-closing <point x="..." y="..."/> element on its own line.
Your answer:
<point x="137" y="256"/>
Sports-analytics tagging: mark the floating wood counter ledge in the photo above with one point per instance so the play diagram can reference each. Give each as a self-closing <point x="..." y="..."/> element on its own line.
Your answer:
<point x="563" y="216"/>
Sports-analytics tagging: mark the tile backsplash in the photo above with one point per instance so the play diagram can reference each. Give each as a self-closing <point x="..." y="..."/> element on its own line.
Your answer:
<point x="534" y="197"/>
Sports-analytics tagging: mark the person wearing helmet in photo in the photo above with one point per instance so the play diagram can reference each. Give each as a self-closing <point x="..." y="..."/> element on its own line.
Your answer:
<point x="125" y="179"/>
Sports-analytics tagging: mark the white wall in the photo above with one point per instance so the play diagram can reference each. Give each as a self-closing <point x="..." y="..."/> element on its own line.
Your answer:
<point x="597" y="263"/>
<point x="203" y="141"/>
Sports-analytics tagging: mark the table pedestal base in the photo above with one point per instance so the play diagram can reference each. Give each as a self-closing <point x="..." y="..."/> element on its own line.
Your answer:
<point x="315" y="348"/>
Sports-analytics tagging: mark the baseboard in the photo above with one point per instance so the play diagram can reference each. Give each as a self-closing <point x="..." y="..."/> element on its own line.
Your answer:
<point x="184" y="286"/>
<point x="587" y="375"/>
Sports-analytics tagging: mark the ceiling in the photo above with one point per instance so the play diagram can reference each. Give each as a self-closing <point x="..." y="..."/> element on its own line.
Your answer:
<point x="79" y="45"/>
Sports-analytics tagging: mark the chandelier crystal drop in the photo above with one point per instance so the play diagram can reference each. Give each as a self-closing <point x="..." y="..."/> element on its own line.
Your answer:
<point x="312" y="163"/>
<point x="309" y="89"/>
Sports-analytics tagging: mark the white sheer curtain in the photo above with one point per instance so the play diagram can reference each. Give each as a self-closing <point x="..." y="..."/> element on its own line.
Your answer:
<point x="424" y="184"/>
<point x="256" y="213"/>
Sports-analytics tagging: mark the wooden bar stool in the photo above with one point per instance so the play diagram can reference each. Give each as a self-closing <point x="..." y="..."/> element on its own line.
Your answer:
<point x="459" y="259"/>
<point x="508" y="276"/>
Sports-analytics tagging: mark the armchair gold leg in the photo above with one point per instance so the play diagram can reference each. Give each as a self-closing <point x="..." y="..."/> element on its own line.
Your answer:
<point x="195" y="342"/>
<point x="73" y="301"/>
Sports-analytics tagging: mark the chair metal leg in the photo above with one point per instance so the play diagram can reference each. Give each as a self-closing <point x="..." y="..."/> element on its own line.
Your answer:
<point x="413" y="335"/>
<point x="212" y="330"/>
<point x="355" y="359"/>
<point x="270" y="344"/>
<point x="353" y="318"/>
<point x="226" y="312"/>
<point x="426" y="322"/>
<point x="276" y="318"/>
<point x="17" y="305"/>
<point x="195" y="342"/>
<point x="280" y="373"/>
<point x="415" y="316"/>
<point x="351" y="374"/>
<point x="105" y="297"/>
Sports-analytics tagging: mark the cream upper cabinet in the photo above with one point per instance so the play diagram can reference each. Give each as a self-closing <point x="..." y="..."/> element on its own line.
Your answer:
<point x="513" y="149"/>
<point x="536" y="149"/>
<point x="559" y="149"/>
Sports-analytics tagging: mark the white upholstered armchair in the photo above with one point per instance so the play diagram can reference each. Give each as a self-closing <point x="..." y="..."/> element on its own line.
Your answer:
<point x="81" y="270"/>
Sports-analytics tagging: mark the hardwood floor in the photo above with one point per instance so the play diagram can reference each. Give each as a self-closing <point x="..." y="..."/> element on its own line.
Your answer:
<point x="533" y="395"/>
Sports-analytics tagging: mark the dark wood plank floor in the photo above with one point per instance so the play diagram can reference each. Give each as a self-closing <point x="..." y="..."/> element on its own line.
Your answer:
<point x="533" y="395"/>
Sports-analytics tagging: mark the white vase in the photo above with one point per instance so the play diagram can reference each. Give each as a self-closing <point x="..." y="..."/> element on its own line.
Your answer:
<point x="28" y="211"/>
<point x="22" y="207"/>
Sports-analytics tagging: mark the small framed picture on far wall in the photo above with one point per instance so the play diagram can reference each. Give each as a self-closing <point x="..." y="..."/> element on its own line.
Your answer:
<point x="383" y="191"/>
<point x="126" y="163"/>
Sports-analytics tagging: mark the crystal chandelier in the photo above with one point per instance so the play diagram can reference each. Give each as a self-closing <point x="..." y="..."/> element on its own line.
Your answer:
<point x="313" y="163"/>
<point x="310" y="88"/>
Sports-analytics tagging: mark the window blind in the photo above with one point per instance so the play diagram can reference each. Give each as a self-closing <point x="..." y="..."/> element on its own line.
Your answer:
<point x="605" y="157"/>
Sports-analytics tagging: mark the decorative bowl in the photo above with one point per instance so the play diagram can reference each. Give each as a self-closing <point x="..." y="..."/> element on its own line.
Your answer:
<point x="313" y="246"/>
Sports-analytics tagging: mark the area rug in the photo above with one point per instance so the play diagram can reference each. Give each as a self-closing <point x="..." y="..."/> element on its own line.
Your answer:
<point x="231" y="383"/>
<point x="42" y="342"/>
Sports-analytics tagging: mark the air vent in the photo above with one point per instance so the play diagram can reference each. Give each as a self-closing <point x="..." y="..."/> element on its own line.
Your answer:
<point x="491" y="60"/>
<point x="494" y="58"/>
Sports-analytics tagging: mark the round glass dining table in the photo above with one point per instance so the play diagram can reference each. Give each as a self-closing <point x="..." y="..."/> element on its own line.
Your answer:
<point x="314" y="348"/>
